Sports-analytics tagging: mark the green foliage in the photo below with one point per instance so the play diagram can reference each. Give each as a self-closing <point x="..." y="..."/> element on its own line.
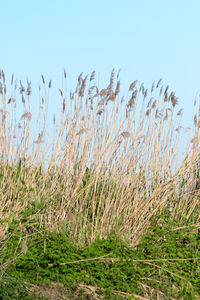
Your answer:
<point x="12" y="288"/>
<point x="109" y="263"/>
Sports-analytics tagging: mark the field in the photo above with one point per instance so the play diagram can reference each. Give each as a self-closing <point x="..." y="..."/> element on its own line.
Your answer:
<point x="107" y="209"/>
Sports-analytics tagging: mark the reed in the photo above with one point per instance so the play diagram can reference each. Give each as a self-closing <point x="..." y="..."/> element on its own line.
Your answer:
<point x="113" y="163"/>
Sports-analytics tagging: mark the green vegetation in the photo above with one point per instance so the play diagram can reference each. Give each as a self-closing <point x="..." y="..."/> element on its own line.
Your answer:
<point x="113" y="215"/>
<point x="166" y="263"/>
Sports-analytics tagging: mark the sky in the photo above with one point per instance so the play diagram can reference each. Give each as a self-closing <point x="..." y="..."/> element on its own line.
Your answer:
<point x="146" y="39"/>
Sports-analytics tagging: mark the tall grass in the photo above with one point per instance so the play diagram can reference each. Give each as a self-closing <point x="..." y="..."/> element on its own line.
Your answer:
<point x="113" y="163"/>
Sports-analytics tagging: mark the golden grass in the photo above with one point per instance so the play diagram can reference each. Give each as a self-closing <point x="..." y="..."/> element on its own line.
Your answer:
<point x="131" y="147"/>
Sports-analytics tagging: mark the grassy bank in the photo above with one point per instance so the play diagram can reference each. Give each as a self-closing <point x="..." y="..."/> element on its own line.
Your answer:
<point x="114" y="213"/>
<point x="164" y="265"/>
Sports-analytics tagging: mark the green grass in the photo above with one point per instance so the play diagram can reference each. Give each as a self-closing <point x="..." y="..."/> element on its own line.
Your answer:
<point x="166" y="262"/>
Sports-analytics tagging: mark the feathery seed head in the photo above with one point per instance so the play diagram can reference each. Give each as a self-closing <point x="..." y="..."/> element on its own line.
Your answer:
<point x="22" y="89"/>
<point x="159" y="82"/>
<point x="147" y="112"/>
<point x="149" y="103"/>
<point x="161" y="89"/>
<point x="65" y="74"/>
<point x="133" y="85"/>
<point x="61" y="93"/>
<point x="179" y="113"/>
<point x="43" y="81"/>
<point x="154" y="104"/>
<point x="125" y="134"/>
<point x="12" y="78"/>
<point x="28" y="90"/>
<point x="92" y="75"/>
<point x="26" y="115"/>
<point x="63" y="105"/>
<point x="165" y="97"/>
<point x="100" y="111"/>
<point x="174" y="100"/>
<point x="152" y="87"/>
<point x="23" y="99"/>
<point x="103" y="92"/>
<point x="166" y="90"/>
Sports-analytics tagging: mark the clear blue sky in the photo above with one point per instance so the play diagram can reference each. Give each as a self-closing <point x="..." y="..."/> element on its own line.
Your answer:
<point x="146" y="39"/>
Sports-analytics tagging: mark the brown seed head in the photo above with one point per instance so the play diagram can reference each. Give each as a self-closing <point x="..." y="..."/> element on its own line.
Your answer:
<point x="125" y="134"/>
<point x="22" y="89"/>
<point x="110" y="86"/>
<point x="179" y="113"/>
<point x="165" y="92"/>
<point x="132" y="85"/>
<point x="156" y="114"/>
<point x="80" y="78"/>
<point x="26" y="115"/>
<point x="92" y="75"/>
<point x="23" y="99"/>
<point x="112" y="96"/>
<point x="43" y="79"/>
<point x="152" y="87"/>
<point x="174" y="100"/>
<point x="149" y="103"/>
<point x="161" y="89"/>
<point x="159" y="82"/>
<point x="3" y="76"/>
<point x="141" y="87"/>
<point x="83" y="85"/>
<point x="147" y="112"/>
<point x="118" y="73"/>
<point x="165" y="97"/>
<point x="154" y="104"/>
<point x="145" y="93"/>
<point x="133" y="98"/>
<point x="63" y="105"/>
<point x="65" y="74"/>
<point x="100" y="111"/>
<point x="61" y="93"/>
<point x="103" y="92"/>
<point x="28" y="90"/>
<point x="91" y="89"/>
